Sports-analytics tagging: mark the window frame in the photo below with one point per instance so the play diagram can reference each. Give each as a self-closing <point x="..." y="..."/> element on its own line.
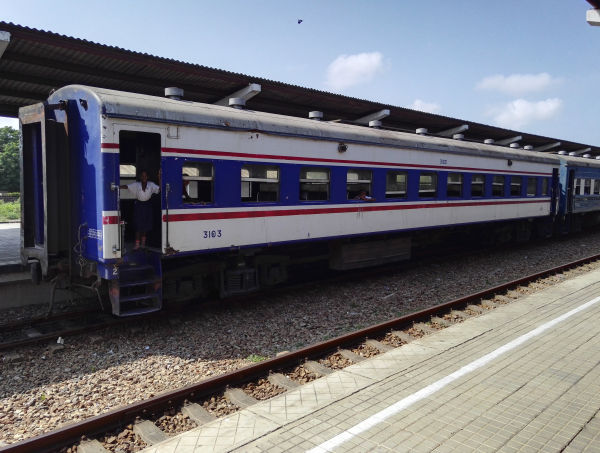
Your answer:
<point x="357" y="182"/>
<point x="460" y="184"/>
<point x="315" y="182"/>
<point x="477" y="184"/>
<point x="513" y="184"/>
<point x="398" y="194"/>
<point x="530" y="180"/>
<point x="495" y="184"/>
<point x="250" y="179"/>
<point x="435" y="185"/>
<point x="210" y="178"/>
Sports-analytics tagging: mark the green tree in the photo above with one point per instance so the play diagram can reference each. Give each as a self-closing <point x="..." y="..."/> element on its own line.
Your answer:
<point x="9" y="160"/>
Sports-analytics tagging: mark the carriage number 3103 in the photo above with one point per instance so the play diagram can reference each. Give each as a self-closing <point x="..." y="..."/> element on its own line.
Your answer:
<point x="208" y="234"/>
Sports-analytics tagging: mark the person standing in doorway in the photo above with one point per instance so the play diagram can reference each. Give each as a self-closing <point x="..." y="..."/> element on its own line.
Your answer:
<point x="143" y="190"/>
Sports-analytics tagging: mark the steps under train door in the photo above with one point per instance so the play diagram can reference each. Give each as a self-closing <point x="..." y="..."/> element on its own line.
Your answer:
<point x="136" y="291"/>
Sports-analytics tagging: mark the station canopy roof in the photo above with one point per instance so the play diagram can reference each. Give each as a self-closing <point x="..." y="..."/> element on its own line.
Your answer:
<point x="34" y="62"/>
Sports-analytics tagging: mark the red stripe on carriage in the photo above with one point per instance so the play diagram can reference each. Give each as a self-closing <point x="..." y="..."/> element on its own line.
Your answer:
<point x="339" y="161"/>
<point x="359" y="207"/>
<point x="110" y="219"/>
<point x="109" y="145"/>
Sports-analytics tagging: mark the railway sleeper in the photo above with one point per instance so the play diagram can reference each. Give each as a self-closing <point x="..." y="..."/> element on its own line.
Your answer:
<point x="239" y="398"/>
<point x="405" y="337"/>
<point x="425" y="328"/>
<point x="317" y="368"/>
<point x="440" y="321"/>
<point x="90" y="446"/>
<point x="352" y="356"/>
<point x="149" y="432"/>
<point x="197" y="413"/>
<point x="283" y="381"/>
<point x="379" y="346"/>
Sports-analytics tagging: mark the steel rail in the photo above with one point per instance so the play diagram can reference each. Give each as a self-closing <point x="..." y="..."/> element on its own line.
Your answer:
<point x="70" y="434"/>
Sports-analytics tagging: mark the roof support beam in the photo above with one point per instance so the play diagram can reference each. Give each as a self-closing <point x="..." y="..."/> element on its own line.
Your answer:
<point x="593" y="17"/>
<point x="373" y="117"/>
<point x="547" y="146"/>
<point x="245" y="93"/>
<point x="508" y="141"/>
<point x="453" y="130"/>
<point x="582" y="151"/>
<point x="4" y="40"/>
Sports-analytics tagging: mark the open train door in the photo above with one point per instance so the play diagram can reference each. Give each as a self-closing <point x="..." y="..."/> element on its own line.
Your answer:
<point x="45" y="195"/>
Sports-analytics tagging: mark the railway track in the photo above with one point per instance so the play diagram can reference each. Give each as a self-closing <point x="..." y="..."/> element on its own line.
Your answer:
<point x="418" y="323"/>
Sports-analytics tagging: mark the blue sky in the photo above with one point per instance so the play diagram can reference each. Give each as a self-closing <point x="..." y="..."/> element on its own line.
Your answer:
<point x="527" y="65"/>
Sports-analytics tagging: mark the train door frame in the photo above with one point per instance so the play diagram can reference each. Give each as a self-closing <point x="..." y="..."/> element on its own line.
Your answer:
<point x="45" y="187"/>
<point x="151" y="162"/>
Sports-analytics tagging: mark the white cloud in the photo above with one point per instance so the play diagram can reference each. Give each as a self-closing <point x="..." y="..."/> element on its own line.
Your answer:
<point x="520" y="112"/>
<point x="429" y="107"/>
<point x="517" y="84"/>
<point x="349" y="70"/>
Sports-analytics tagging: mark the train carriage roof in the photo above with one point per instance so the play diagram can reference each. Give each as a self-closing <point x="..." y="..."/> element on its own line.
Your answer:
<point x="135" y="106"/>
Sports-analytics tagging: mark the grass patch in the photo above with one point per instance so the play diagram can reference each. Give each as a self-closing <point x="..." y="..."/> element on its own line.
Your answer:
<point x="10" y="211"/>
<point x="255" y="358"/>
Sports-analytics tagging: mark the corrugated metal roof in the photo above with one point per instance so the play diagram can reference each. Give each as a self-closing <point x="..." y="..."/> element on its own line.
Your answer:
<point x="37" y="61"/>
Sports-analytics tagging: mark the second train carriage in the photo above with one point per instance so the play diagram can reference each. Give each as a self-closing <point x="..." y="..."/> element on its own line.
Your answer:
<point x="245" y="194"/>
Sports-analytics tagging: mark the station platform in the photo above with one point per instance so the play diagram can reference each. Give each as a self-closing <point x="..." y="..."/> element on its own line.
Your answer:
<point x="524" y="377"/>
<point x="10" y="242"/>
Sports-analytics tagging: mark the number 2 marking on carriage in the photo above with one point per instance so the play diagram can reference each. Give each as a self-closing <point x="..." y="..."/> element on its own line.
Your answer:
<point x="211" y="234"/>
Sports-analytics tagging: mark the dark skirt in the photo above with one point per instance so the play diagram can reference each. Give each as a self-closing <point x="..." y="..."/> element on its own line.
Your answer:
<point x="142" y="214"/>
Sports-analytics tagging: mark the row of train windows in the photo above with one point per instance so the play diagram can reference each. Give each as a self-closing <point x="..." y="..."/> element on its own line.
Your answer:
<point x="586" y="186"/>
<point x="260" y="183"/>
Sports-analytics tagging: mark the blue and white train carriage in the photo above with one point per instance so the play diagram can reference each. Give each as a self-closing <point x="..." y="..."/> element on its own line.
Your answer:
<point x="247" y="195"/>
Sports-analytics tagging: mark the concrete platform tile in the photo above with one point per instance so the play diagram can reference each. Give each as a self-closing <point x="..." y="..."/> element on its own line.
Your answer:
<point x="219" y="435"/>
<point x="295" y="404"/>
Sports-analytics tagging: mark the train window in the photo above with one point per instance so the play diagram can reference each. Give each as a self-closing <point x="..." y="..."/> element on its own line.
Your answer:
<point x="427" y="185"/>
<point x="314" y="184"/>
<point x="477" y="185"/>
<point x="531" y="186"/>
<point x="395" y="184"/>
<point x="545" y="187"/>
<point x="455" y="185"/>
<point x="596" y="186"/>
<point x="498" y="186"/>
<point x="577" y="186"/>
<point x="260" y="183"/>
<point x="587" y="186"/>
<point x="197" y="182"/>
<point x="358" y="181"/>
<point x="515" y="186"/>
<point x="127" y="173"/>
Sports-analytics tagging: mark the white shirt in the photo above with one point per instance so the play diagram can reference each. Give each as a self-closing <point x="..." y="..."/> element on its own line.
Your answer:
<point x="143" y="195"/>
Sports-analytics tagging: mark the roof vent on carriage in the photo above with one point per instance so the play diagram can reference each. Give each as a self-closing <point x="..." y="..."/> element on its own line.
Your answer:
<point x="489" y="141"/>
<point x="237" y="103"/>
<point x="562" y="152"/>
<point x="375" y="124"/>
<point x="422" y="131"/>
<point x="458" y="136"/>
<point x="528" y="148"/>
<point x="514" y="145"/>
<point x="587" y="156"/>
<point x="572" y="153"/>
<point x="315" y="115"/>
<point x="174" y="93"/>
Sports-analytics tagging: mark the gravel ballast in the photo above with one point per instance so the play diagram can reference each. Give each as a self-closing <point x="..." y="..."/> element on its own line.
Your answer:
<point x="45" y="388"/>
